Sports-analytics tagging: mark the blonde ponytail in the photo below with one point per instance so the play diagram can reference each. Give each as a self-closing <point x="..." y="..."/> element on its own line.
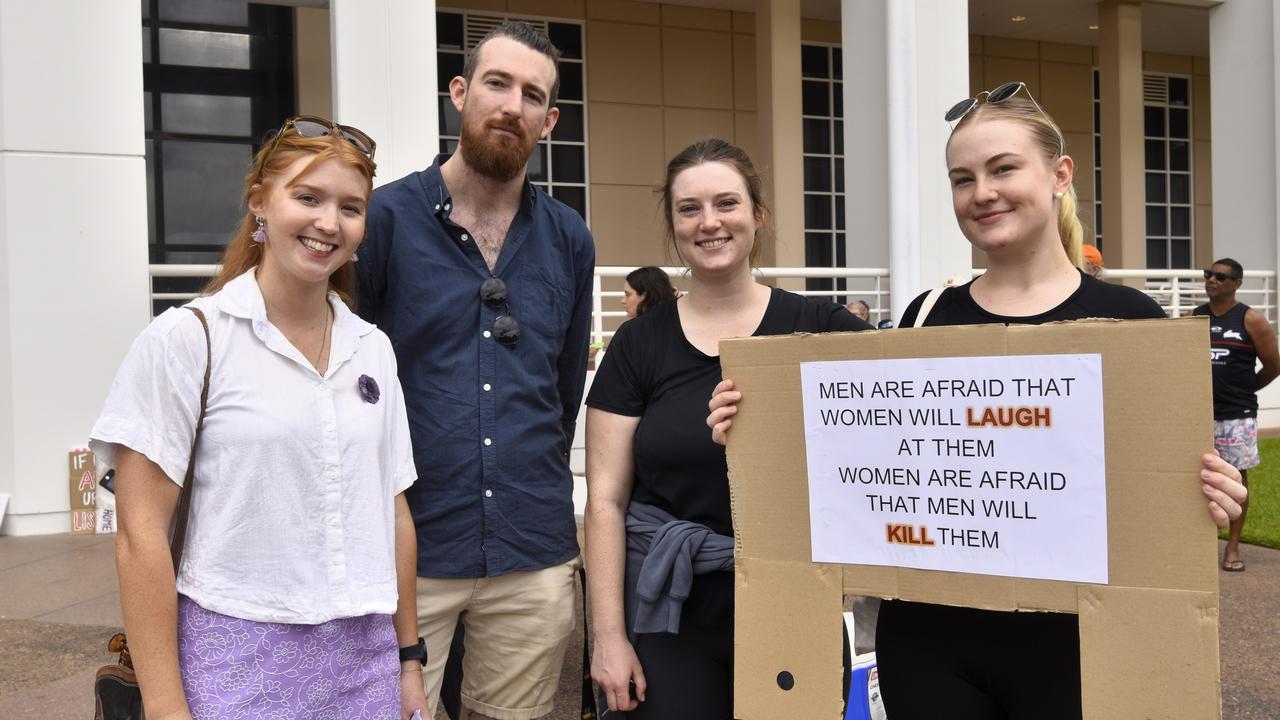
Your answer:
<point x="1069" y="228"/>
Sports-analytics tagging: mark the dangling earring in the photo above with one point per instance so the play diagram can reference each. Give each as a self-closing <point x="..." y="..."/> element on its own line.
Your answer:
<point x="355" y="258"/>
<point x="260" y="234"/>
<point x="1058" y="195"/>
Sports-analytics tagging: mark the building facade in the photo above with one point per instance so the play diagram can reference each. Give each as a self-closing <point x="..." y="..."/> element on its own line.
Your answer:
<point x="125" y="126"/>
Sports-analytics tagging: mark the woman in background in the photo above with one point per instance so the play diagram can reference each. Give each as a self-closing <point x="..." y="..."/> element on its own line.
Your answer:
<point x="646" y="288"/>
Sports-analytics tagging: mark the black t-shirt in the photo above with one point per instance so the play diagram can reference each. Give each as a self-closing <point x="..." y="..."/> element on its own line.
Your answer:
<point x="653" y="372"/>
<point x="952" y="628"/>
<point x="1093" y="299"/>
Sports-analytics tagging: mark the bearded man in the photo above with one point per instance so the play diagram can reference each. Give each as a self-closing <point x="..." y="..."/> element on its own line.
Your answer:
<point x="483" y="284"/>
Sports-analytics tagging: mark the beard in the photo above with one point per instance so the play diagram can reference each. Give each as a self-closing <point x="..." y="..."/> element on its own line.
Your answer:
<point x="493" y="155"/>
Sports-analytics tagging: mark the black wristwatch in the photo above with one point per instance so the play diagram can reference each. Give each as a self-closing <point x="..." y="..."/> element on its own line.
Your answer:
<point x="415" y="652"/>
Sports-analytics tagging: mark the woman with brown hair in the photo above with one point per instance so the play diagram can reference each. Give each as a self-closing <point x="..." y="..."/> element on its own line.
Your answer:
<point x="657" y="487"/>
<point x="296" y="586"/>
<point x="646" y="288"/>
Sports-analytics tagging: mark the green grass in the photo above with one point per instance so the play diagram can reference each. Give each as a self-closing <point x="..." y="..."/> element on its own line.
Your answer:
<point x="1262" y="526"/>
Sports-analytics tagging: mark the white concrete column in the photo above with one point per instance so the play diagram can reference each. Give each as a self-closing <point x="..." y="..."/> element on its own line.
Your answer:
<point x="384" y="78"/>
<point x="905" y="63"/>
<point x="1244" y="89"/>
<point x="73" y="236"/>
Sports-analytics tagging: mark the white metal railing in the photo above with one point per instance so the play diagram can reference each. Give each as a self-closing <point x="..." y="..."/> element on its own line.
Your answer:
<point x="869" y="284"/>
<point x="1177" y="291"/>
<point x="1180" y="291"/>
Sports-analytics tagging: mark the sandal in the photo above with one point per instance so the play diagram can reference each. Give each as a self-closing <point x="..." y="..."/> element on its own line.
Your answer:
<point x="1236" y="565"/>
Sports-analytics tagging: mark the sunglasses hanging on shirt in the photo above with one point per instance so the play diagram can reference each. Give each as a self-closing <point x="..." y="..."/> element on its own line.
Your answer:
<point x="506" y="330"/>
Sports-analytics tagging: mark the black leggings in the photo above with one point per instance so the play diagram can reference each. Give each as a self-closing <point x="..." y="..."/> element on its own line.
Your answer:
<point x="689" y="675"/>
<point x="937" y="661"/>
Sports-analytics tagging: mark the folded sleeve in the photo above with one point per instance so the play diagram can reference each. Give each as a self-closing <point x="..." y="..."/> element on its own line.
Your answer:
<point x="154" y="402"/>
<point x="399" y="443"/>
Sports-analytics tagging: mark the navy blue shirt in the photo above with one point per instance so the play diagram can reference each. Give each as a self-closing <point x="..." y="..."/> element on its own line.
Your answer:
<point x="491" y="425"/>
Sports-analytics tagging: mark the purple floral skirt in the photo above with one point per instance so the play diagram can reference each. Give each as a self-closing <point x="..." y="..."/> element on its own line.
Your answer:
<point x="233" y="669"/>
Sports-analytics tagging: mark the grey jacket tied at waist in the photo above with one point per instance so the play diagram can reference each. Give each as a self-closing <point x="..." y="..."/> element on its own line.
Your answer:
<point x="663" y="555"/>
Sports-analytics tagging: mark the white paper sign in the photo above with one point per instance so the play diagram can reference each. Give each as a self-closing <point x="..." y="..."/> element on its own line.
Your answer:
<point x="988" y="465"/>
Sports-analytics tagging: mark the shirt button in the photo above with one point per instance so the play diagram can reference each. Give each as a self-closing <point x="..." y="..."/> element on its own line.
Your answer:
<point x="447" y="206"/>
<point x="488" y="441"/>
<point x="333" y="474"/>
<point x="437" y="207"/>
<point x="322" y="386"/>
<point x="488" y="493"/>
<point x="328" y="428"/>
<point x="487" y="333"/>
<point x="487" y="387"/>
<point x="333" y="522"/>
<point x="464" y="237"/>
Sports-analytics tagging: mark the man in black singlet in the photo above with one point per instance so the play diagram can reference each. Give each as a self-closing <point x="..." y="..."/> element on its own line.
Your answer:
<point x="1239" y="336"/>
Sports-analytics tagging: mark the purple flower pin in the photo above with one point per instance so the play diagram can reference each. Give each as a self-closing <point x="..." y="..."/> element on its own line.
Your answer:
<point x="368" y="389"/>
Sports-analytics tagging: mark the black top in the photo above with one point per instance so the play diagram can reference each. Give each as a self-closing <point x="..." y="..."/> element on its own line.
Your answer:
<point x="1093" y="299"/>
<point x="1233" y="356"/>
<point x="653" y="372"/>
<point x="1056" y="635"/>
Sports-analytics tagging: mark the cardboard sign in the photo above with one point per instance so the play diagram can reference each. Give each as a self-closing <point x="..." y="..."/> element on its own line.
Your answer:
<point x="82" y="481"/>
<point x="989" y="465"/>
<point x="1148" y="635"/>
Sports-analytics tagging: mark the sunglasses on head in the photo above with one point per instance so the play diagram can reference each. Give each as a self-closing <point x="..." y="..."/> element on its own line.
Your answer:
<point x="995" y="97"/>
<point x="313" y="126"/>
<point x="1220" y="277"/>
<point x="493" y="293"/>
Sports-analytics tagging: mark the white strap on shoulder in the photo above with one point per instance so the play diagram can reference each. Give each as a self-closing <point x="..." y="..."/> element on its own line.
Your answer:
<point x="927" y="305"/>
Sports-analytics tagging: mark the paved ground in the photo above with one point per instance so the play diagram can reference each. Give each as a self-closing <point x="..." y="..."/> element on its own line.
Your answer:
<point x="58" y="608"/>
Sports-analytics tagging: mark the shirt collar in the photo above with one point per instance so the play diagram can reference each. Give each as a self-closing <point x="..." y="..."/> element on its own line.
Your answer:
<point x="441" y="201"/>
<point x="241" y="297"/>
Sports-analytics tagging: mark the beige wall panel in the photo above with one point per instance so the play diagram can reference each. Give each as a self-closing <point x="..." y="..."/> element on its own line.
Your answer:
<point x="1010" y="48"/>
<point x="975" y="45"/>
<point x="1201" y="117"/>
<point x="997" y="71"/>
<point x="625" y="225"/>
<point x="572" y="9"/>
<point x="697" y="18"/>
<point x="624" y="11"/>
<point x="1202" y="245"/>
<point x="683" y="126"/>
<point x="498" y="6"/>
<point x="977" y="83"/>
<point x="744" y="22"/>
<point x="1066" y="92"/>
<point x="1061" y="52"/>
<point x="1200" y="64"/>
<point x="626" y="63"/>
<point x="314" y="62"/>
<point x="744" y="72"/>
<point x="626" y="144"/>
<point x="746" y="133"/>
<point x="823" y="31"/>
<point x="1201" y="172"/>
<point x="697" y="69"/>
<point x="1096" y="55"/>
<point x="1164" y="63"/>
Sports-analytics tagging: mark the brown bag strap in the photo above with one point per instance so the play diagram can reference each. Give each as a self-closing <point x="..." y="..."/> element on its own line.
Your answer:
<point x="179" y="538"/>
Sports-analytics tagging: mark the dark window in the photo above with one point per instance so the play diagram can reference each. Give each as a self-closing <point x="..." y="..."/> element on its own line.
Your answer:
<point x="822" y="106"/>
<point x="218" y="77"/>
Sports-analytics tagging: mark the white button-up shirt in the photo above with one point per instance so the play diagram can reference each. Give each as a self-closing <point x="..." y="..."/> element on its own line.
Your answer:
<point x="292" y="514"/>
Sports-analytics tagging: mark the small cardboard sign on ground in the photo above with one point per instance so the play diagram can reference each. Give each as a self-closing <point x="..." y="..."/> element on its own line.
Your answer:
<point x="82" y="482"/>
<point x="1001" y="486"/>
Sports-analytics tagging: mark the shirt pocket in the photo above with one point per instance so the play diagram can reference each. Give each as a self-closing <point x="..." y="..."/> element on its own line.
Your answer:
<point x="544" y="301"/>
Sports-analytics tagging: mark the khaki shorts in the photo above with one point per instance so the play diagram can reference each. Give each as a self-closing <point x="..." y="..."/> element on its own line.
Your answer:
<point x="518" y="626"/>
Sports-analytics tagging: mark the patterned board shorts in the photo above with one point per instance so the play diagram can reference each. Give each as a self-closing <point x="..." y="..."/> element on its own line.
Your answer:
<point x="1237" y="442"/>
<point x="235" y="669"/>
